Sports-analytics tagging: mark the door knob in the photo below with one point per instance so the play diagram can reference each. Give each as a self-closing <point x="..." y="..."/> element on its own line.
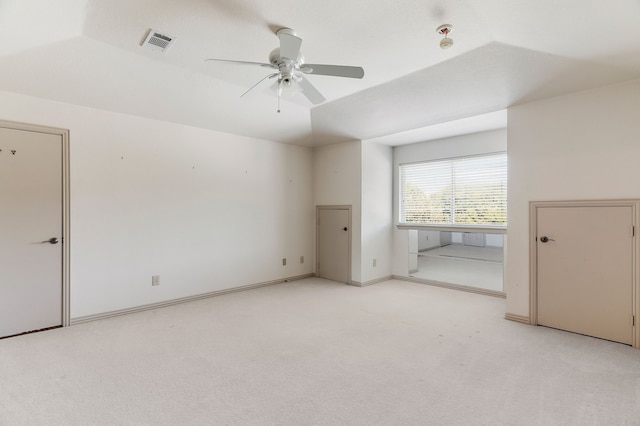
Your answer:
<point x="52" y="240"/>
<point x="546" y="239"/>
<point x="345" y="229"/>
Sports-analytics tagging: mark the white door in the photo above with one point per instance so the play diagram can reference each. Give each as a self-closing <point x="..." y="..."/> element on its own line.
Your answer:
<point x="585" y="270"/>
<point x="334" y="242"/>
<point x="31" y="231"/>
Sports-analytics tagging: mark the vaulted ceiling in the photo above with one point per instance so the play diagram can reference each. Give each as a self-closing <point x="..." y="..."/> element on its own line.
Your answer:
<point x="90" y="53"/>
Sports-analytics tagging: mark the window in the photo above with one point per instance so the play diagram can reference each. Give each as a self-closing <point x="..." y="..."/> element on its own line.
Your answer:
<point x="465" y="191"/>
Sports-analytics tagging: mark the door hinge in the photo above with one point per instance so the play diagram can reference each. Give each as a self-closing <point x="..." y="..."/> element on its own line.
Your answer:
<point x="633" y="231"/>
<point x="633" y="320"/>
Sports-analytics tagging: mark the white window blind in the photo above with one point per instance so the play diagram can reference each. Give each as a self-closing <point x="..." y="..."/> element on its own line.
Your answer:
<point x="457" y="191"/>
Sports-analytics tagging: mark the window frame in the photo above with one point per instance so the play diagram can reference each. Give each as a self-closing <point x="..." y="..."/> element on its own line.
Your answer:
<point x="485" y="228"/>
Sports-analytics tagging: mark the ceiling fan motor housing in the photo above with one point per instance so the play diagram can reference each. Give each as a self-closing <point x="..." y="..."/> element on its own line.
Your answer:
<point x="274" y="56"/>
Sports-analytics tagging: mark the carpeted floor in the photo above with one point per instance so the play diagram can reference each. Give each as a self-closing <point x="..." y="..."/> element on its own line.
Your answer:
<point x="479" y="267"/>
<point x="488" y="254"/>
<point x="315" y="352"/>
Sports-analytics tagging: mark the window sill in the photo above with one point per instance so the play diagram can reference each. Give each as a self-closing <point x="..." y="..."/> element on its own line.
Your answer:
<point x="455" y="228"/>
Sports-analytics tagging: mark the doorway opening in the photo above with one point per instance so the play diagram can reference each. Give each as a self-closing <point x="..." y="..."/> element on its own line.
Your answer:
<point x="472" y="260"/>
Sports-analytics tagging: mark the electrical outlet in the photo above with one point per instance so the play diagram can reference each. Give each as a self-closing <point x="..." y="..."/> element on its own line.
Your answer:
<point x="284" y="261"/>
<point x="155" y="280"/>
<point x="375" y="262"/>
<point x="301" y="259"/>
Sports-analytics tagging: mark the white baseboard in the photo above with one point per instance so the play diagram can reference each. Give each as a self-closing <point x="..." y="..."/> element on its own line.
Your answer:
<point x="372" y="282"/>
<point x="468" y="289"/>
<point x="111" y="314"/>
<point x="517" y="318"/>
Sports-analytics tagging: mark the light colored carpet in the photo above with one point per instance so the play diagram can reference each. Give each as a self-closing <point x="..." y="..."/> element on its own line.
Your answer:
<point x="315" y="352"/>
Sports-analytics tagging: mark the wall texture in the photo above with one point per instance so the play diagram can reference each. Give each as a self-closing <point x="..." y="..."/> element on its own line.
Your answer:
<point x="583" y="146"/>
<point x="205" y="210"/>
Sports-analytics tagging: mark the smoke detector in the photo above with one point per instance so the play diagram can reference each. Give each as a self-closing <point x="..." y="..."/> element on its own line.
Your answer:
<point x="444" y="30"/>
<point x="157" y="41"/>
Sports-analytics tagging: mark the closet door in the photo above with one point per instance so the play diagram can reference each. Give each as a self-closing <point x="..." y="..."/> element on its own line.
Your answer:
<point x="334" y="243"/>
<point x="585" y="270"/>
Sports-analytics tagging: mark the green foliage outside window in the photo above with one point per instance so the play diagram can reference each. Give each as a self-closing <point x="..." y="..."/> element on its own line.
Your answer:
<point x="467" y="191"/>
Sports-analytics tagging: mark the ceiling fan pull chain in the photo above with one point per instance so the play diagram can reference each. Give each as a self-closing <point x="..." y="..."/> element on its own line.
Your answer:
<point x="279" y="94"/>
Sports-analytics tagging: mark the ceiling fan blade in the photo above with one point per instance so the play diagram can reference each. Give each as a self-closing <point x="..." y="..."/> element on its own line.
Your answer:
<point x="333" y="70"/>
<point x="262" y="82"/>
<point x="310" y="91"/>
<point x="289" y="44"/>
<point x="241" y="62"/>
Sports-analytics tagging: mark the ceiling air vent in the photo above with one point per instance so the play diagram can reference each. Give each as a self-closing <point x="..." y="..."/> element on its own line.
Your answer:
<point x="158" y="42"/>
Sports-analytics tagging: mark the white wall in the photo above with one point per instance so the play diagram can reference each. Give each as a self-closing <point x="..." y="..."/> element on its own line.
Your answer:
<point x="412" y="242"/>
<point x="577" y="147"/>
<point x="337" y="177"/>
<point x="204" y="210"/>
<point x="431" y="239"/>
<point x="495" y="240"/>
<point x="359" y="174"/>
<point x="456" y="237"/>
<point x="428" y="239"/>
<point x="474" y="144"/>
<point x="377" y="210"/>
<point x="208" y="211"/>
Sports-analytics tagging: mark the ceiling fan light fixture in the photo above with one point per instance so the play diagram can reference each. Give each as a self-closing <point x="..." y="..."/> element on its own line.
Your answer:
<point x="444" y="30"/>
<point x="287" y="80"/>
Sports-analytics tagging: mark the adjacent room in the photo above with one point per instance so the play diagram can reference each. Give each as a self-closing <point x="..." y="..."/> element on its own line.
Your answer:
<point x="464" y="258"/>
<point x="263" y="213"/>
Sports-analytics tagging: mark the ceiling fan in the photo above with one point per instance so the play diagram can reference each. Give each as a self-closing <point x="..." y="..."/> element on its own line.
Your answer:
<point x="289" y="66"/>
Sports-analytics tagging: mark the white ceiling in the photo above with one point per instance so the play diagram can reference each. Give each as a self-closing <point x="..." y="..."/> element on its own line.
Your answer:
<point x="88" y="52"/>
